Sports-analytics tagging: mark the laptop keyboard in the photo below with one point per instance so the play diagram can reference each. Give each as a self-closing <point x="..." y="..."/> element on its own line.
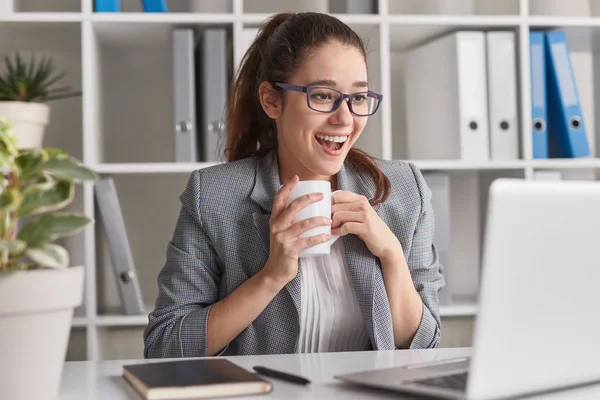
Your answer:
<point x="454" y="381"/>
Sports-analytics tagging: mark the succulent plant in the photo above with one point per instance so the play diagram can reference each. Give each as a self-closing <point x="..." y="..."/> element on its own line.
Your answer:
<point x="32" y="81"/>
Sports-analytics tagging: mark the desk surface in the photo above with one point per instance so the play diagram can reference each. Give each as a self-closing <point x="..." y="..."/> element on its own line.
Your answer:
<point x="101" y="380"/>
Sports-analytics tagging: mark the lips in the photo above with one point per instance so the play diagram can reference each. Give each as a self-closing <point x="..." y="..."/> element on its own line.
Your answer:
<point x="332" y="145"/>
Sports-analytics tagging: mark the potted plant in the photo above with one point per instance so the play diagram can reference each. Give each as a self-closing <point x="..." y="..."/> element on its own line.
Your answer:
<point x="24" y="90"/>
<point x="39" y="288"/>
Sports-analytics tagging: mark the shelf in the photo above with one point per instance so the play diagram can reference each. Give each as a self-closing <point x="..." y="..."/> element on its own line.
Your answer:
<point x="566" y="163"/>
<point x="355" y="19"/>
<point x="164" y="18"/>
<point x="449" y="165"/>
<point x="458" y="310"/>
<point x="150" y="168"/>
<point x="42" y="17"/>
<point x="122" y="320"/>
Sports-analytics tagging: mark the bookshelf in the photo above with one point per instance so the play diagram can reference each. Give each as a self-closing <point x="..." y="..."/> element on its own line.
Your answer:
<point x="121" y="125"/>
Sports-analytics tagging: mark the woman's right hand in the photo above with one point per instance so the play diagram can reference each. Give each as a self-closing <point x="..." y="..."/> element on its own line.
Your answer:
<point x="285" y="246"/>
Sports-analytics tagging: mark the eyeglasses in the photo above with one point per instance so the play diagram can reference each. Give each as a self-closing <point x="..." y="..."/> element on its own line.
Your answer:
<point x="327" y="100"/>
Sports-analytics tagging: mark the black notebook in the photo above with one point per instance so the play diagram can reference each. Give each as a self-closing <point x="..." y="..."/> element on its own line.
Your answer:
<point x="193" y="379"/>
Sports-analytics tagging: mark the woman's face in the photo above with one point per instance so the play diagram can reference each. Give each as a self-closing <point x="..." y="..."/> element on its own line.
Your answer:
<point x="314" y="144"/>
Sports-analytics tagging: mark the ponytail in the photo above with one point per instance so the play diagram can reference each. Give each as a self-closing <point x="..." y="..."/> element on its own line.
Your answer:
<point x="250" y="131"/>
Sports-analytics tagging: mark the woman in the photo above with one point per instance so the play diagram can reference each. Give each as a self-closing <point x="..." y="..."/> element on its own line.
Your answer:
<point x="233" y="283"/>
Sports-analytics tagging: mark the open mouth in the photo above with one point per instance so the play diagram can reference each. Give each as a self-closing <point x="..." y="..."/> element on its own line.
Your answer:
<point x="331" y="144"/>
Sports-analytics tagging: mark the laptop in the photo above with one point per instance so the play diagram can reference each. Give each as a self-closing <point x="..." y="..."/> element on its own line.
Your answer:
<point x="538" y="321"/>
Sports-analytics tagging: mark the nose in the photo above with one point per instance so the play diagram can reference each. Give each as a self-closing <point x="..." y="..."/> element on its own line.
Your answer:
<point x="342" y="116"/>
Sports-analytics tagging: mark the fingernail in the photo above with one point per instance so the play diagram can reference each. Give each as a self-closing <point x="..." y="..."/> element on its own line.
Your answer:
<point x="329" y="220"/>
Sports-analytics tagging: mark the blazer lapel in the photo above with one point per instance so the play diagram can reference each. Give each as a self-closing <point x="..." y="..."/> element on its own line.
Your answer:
<point x="364" y="268"/>
<point x="265" y="187"/>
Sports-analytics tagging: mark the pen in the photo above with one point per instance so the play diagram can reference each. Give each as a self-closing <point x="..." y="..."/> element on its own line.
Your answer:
<point x="281" y="375"/>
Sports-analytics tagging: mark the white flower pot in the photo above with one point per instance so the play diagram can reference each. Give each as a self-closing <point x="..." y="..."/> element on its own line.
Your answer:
<point x="36" y="312"/>
<point x="28" y="120"/>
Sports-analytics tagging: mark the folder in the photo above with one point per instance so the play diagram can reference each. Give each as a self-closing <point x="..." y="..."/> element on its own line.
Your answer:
<point x="184" y="95"/>
<point x="446" y="98"/>
<point x="154" y="5"/>
<point x="539" y="110"/>
<point x="105" y="5"/>
<point x="502" y="95"/>
<point x="111" y="216"/>
<point x="212" y="77"/>
<point x="439" y="184"/>
<point x="566" y="128"/>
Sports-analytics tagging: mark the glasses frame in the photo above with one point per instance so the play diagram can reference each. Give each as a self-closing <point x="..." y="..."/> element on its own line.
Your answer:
<point x="337" y="104"/>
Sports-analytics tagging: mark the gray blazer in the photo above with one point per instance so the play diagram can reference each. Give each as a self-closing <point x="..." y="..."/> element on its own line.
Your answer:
<point x="222" y="238"/>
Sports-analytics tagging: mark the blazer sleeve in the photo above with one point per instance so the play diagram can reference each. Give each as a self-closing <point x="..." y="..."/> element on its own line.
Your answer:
<point x="424" y="265"/>
<point x="188" y="285"/>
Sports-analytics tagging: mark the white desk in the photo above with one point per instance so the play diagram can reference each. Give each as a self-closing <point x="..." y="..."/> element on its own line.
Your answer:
<point x="87" y="380"/>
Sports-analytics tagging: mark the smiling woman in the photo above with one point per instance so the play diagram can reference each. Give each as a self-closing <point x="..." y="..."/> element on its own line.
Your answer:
<point x="233" y="281"/>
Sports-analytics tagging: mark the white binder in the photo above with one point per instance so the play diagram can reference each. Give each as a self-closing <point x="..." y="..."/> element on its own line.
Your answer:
<point x="439" y="184"/>
<point x="502" y="95"/>
<point x="184" y="95"/>
<point x="446" y="98"/>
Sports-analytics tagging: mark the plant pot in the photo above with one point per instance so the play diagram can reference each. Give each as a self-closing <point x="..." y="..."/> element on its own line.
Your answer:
<point x="36" y="312"/>
<point x="29" y="121"/>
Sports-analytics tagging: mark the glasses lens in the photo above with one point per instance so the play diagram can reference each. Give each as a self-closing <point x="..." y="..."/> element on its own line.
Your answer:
<point x="323" y="99"/>
<point x="364" y="103"/>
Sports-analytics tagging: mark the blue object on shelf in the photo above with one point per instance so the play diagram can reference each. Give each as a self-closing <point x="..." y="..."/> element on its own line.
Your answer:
<point x="566" y="129"/>
<point x="107" y="5"/>
<point x="154" y="5"/>
<point x="539" y="104"/>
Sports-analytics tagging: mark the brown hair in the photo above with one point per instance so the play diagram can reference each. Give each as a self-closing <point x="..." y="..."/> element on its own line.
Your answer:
<point x="274" y="55"/>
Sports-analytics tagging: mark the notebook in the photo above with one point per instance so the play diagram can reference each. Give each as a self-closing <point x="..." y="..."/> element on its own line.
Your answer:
<point x="193" y="379"/>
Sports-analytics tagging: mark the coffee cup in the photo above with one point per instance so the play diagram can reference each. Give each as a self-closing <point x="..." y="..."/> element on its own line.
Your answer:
<point x="320" y="208"/>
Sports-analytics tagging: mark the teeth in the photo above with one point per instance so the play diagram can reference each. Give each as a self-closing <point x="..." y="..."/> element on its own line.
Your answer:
<point x="337" y="139"/>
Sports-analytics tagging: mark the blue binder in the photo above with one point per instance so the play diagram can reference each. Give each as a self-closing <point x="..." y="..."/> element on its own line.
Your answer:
<point x="566" y="129"/>
<point x="539" y="110"/>
<point x="154" y="5"/>
<point x="107" y="5"/>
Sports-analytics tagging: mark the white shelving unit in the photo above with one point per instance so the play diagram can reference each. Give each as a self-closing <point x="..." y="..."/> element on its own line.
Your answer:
<point x="121" y="125"/>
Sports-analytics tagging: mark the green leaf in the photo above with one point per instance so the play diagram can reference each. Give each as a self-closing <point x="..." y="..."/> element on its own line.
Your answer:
<point x="42" y="198"/>
<point x="10" y="199"/>
<point x="51" y="226"/>
<point x="49" y="255"/>
<point x="66" y="167"/>
<point x="30" y="163"/>
<point x="13" y="246"/>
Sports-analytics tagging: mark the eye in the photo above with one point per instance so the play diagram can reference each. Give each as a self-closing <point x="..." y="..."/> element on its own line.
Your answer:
<point x="321" y="96"/>
<point x="359" y="98"/>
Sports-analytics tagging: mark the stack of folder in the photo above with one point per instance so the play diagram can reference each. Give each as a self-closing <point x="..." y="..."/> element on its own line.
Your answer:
<point x="461" y="95"/>
<point x="115" y="5"/>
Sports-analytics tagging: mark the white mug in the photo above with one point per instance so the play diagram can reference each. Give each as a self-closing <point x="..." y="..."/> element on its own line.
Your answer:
<point x="320" y="208"/>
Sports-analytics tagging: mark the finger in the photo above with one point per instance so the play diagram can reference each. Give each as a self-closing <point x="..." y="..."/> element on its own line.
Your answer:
<point x="354" y="206"/>
<point x="287" y="216"/>
<point x="355" y="228"/>
<point x="281" y="197"/>
<point x="342" y="217"/>
<point x="310" y="241"/>
<point x="302" y="226"/>
<point x="345" y="196"/>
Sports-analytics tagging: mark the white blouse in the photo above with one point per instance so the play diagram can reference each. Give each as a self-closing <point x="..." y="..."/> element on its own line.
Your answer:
<point x="331" y="318"/>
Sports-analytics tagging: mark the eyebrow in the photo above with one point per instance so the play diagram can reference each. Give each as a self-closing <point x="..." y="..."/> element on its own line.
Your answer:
<point x="329" y="82"/>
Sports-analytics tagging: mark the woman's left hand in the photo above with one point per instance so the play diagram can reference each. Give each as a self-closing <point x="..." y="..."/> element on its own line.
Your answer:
<point x="356" y="216"/>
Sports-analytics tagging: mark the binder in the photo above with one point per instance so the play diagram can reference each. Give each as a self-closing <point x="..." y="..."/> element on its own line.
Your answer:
<point x="539" y="106"/>
<point x="439" y="184"/>
<point x="105" y="5"/>
<point x="154" y="5"/>
<point x="211" y="95"/>
<point x="107" y="203"/>
<point x="502" y="95"/>
<point x="566" y="128"/>
<point x="184" y="95"/>
<point x="446" y="98"/>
